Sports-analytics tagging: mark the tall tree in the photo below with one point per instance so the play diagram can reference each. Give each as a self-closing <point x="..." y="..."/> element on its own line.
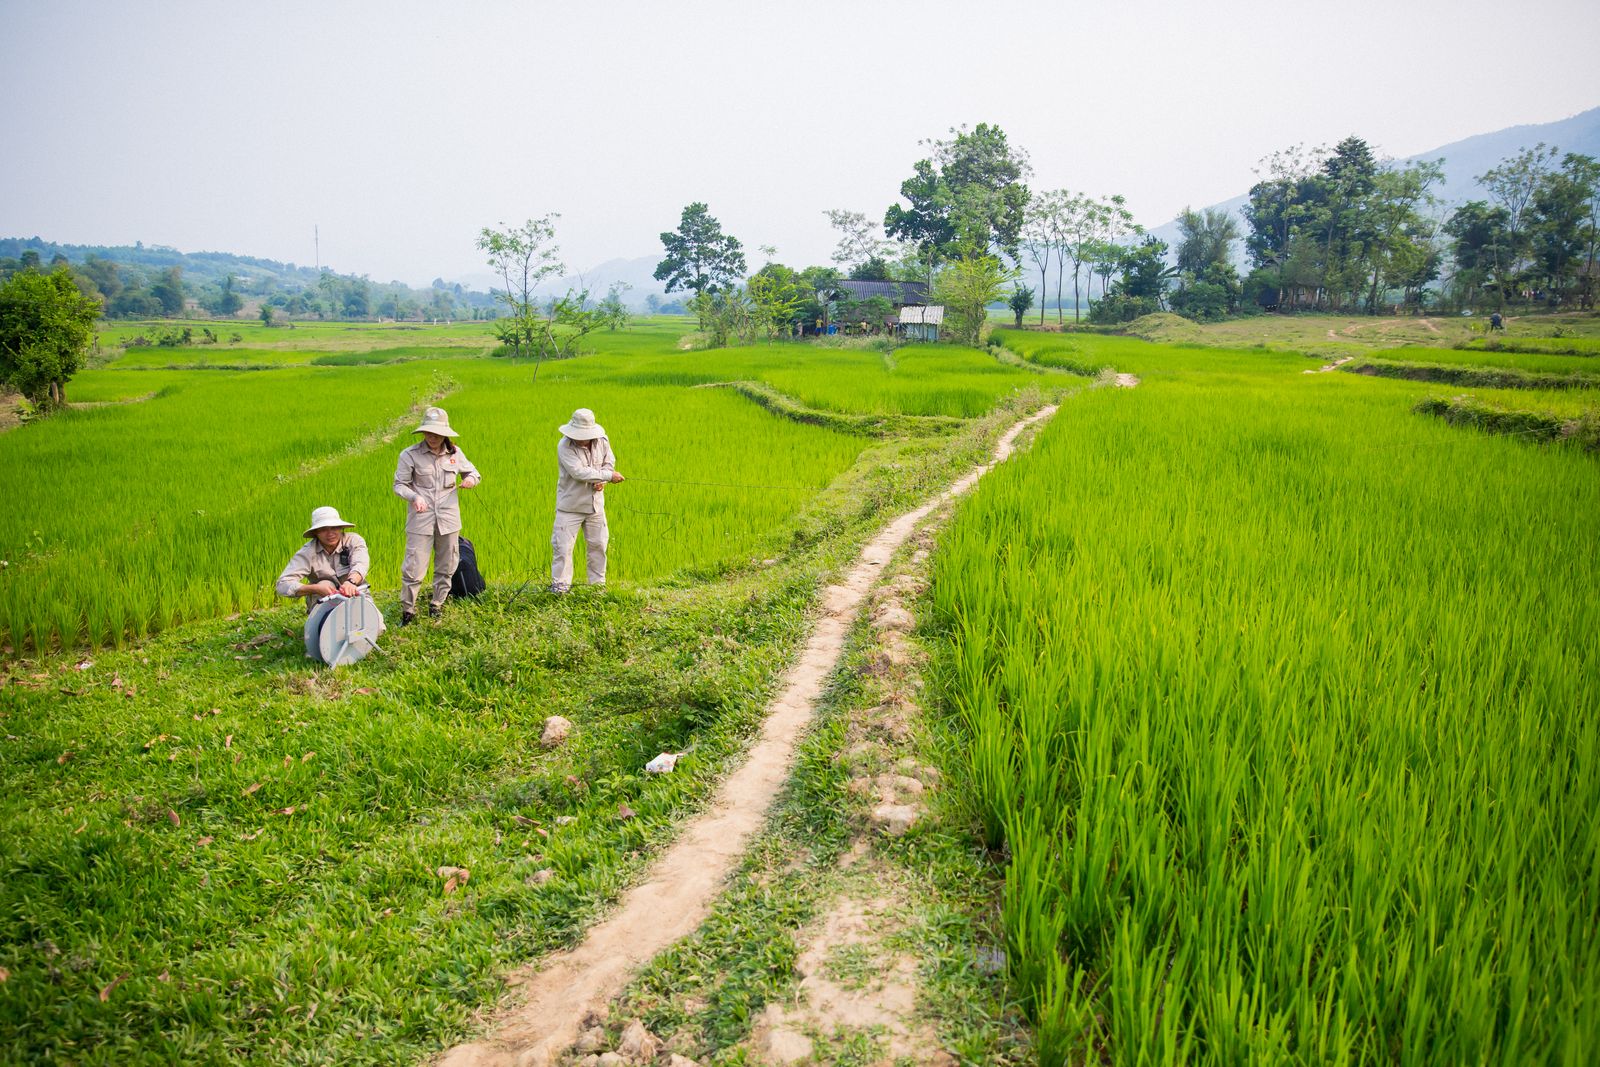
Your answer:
<point x="699" y="256"/>
<point x="860" y="239"/>
<point x="1512" y="186"/>
<point x="968" y="197"/>
<point x="1205" y="238"/>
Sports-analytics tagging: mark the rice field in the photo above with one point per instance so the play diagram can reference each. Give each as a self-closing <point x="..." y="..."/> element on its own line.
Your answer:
<point x="1282" y="702"/>
<point x="180" y="492"/>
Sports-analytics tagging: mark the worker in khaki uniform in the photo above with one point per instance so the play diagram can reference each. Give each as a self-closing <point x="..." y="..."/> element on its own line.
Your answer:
<point x="586" y="467"/>
<point x="333" y="561"/>
<point x="429" y="475"/>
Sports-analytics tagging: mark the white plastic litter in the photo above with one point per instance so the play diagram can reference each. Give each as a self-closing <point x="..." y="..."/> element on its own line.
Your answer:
<point x="663" y="763"/>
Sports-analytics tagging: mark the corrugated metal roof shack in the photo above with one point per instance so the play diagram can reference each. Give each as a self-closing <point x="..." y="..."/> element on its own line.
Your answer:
<point x="921" y="323"/>
<point x="853" y="293"/>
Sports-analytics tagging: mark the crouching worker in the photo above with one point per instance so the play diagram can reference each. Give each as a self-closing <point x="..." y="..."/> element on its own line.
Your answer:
<point x="332" y="562"/>
<point x="586" y="466"/>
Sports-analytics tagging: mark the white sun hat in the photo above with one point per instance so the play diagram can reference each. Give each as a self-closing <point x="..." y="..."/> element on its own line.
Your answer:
<point x="434" y="420"/>
<point x="582" y="427"/>
<point x="324" y="518"/>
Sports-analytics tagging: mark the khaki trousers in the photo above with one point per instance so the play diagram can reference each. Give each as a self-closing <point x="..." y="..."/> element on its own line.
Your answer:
<point x="565" y="535"/>
<point x="446" y="552"/>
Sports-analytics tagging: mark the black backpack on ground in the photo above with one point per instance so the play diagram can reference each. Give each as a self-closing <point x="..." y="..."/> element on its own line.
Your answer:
<point x="467" y="581"/>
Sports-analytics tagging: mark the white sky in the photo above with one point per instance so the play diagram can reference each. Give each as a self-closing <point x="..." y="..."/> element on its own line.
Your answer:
<point x="401" y="128"/>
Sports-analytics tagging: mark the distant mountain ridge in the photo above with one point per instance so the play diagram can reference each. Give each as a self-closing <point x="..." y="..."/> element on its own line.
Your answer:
<point x="1464" y="160"/>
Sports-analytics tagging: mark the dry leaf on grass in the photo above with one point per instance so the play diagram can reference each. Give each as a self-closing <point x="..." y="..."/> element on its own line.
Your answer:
<point x="84" y="665"/>
<point x="82" y="828"/>
<point x="68" y="754"/>
<point x="205" y="841"/>
<point x="227" y="742"/>
<point x="250" y="837"/>
<point x="251" y="788"/>
<point x="523" y="820"/>
<point x="307" y="756"/>
<point x="455" y="877"/>
<point x="105" y="993"/>
<point x="624" y="812"/>
<point x="4" y="974"/>
<point x="173" y="818"/>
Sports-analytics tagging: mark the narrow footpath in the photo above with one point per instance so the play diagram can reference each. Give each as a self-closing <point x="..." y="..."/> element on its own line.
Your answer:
<point x="555" y="997"/>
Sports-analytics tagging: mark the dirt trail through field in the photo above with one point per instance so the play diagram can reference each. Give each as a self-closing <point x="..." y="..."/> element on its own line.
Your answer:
<point x="678" y="892"/>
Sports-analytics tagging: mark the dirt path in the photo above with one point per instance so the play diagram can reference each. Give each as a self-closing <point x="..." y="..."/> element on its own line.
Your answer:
<point x="1326" y="367"/>
<point x="677" y="894"/>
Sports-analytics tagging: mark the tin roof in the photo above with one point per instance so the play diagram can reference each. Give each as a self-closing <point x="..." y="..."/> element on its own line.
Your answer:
<point x="895" y="292"/>
<point x="932" y="316"/>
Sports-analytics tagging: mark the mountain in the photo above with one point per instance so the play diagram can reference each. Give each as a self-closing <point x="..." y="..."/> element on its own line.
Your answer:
<point x="1464" y="160"/>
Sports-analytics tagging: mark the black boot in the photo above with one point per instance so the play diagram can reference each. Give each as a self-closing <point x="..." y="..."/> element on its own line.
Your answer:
<point x="434" y="611"/>
<point x="407" y="618"/>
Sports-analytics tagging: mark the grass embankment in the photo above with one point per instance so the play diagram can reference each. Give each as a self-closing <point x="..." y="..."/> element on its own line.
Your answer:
<point x="259" y="882"/>
<point x="1282" y="717"/>
<point x="1486" y="376"/>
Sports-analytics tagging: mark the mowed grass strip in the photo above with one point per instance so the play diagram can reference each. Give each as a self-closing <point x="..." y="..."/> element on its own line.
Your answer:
<point x="1281" y="699"/>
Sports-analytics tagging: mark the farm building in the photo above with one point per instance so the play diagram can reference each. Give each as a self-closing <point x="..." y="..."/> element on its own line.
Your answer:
<point x="921" y="323"/>
<point x="897" y="293"/>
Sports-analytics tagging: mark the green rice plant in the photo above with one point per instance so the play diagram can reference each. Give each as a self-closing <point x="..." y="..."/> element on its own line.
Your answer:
<point x="184" y="503"/>
<point x="1314" y="678"/>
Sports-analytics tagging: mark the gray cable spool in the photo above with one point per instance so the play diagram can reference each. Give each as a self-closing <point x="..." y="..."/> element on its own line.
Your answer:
<point x="342" y="630"/>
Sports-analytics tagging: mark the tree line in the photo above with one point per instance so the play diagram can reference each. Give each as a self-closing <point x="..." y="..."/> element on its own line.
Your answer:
<point x="144" y="291"/>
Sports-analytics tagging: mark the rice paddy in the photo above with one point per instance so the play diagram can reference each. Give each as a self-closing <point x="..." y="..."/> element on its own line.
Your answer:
<point x="1273" y="702"/>
<point x="183" y="503"/>
<point x="1282" y="701"/>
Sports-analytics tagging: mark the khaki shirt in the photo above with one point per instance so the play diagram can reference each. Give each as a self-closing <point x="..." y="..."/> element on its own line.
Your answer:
<point x="421" y="475"/>
<point x="313" y="563"/>
<point x="581" y="464"/>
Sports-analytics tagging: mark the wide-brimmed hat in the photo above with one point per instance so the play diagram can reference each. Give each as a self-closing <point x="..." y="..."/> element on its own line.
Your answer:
<point x="323" y="518"/>
<point x="582" y="427"/>
<point x="434" y="420"/>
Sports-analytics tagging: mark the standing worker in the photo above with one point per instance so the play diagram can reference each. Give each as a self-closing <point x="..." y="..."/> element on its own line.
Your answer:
<point x="332" y="562"/>
<point x="428" y="475"/>
<point x="586" y="467"/>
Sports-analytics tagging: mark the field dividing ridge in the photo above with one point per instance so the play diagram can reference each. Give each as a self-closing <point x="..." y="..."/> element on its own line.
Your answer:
<point x="677" y="894"/>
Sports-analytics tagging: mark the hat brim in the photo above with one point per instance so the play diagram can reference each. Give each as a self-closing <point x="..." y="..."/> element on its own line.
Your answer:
<point x="582" y="433"/>
<point x="438" y="428"/>
<point x="330" y="526"/>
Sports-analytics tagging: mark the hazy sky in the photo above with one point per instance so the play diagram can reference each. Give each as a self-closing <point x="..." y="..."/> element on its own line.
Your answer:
<point x="403" y="128"/>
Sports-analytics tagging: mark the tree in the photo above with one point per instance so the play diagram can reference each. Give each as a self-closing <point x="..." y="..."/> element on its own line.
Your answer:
<point x="224" y="301"/>
<point x="1205" y="238"/>
<point x="699" y="256"/>
<point x="859" y="239"/>
<point x="777" y="293"/>
<point x="265" y="314"/>
<point x="46" y="327"/>
<point x="1041" y="229"/>
<point x="524" y="257"/>
<point x="1021" y="300"/>
<point x="966" y="288"/>
<point x="1512" y="185"/>
<point x="168" y="291"/>
<point x="967" y="199"/>
<point x="615" y="311"/>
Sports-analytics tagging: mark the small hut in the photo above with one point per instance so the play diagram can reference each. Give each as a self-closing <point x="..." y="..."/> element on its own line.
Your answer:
<point x="921" y="323"/>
